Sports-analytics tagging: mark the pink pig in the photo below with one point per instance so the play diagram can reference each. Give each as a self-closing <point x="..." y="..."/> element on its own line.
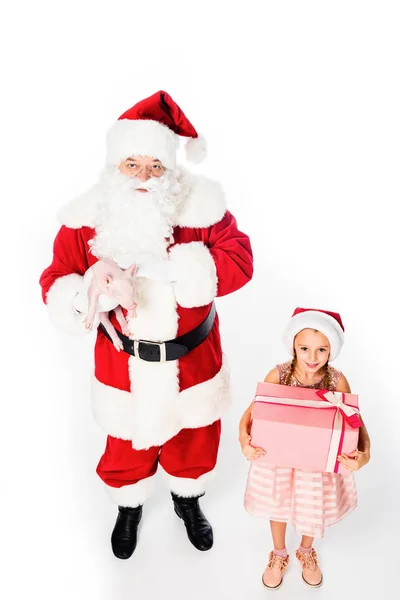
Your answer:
<point x="117" y="284"/>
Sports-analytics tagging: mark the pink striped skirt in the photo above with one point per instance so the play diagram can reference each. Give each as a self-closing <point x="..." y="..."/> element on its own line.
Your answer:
<point x="310" y="501"/>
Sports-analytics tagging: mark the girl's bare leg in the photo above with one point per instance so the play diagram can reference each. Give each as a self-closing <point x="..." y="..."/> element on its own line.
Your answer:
<point x="278" y="558"/>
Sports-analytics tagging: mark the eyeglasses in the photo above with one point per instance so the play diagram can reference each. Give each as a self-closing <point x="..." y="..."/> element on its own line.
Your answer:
<point x="154" y="170"/>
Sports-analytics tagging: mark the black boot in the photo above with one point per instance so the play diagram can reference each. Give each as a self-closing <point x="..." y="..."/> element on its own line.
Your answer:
<point x="124" y="535"/>
<point x="199" y="530"/>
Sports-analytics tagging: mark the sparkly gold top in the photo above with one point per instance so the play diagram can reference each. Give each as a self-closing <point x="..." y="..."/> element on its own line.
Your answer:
<point x="334" y="376"/>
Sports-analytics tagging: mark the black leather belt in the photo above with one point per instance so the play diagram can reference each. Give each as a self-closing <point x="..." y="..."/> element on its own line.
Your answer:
<point x="170" y="350"/>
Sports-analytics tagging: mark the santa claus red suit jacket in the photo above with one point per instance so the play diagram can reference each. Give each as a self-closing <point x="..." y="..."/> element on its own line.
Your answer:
<point x="150" y="402"/>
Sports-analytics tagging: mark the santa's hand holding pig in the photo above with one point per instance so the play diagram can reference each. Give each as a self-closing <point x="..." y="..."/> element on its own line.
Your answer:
<point x="168" y="247"/>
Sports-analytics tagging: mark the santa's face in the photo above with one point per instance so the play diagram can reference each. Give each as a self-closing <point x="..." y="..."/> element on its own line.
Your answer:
<point x="142" y="168"/>
<point x="141" y="200"/>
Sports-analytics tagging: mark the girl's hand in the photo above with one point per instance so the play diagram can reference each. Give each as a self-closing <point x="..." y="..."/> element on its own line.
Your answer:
<point x="250" y="452"/>
<point x="355" y="460"/>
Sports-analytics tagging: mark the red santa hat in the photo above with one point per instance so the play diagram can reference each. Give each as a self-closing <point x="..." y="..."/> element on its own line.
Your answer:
<point x="328" y="323"/>
<point x="152" y="128"/>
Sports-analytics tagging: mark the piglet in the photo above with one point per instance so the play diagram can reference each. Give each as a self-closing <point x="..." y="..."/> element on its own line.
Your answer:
<point x="118" y="285"/>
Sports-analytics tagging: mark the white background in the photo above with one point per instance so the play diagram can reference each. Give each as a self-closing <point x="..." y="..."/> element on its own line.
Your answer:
<point x="300" y="103"/>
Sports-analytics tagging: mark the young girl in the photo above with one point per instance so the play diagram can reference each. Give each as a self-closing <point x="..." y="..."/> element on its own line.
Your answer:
<point x="310" y="501"/>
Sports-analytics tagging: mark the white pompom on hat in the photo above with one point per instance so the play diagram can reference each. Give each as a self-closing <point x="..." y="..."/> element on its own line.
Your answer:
<point x="328" y="323"/>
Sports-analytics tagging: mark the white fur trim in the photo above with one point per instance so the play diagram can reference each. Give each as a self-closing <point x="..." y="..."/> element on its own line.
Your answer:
<point x="150" y="420"/>
<point x="59" y="302"/>
<point x="313" y="319"/>
<point x="149" y="414"/>
<point x="82" y="210"/>
<point x="128" y="138"/>
<point x="196" y="149"/>
<point x="205" y="204"/>
<point x="154" y="386"/>
<point x="208" y="401"/>
<point x="196" y="274"/>
<point x="156" y="403"/>
<point x="131" y="495"/>
<point x="113" y="410"/>
<point x="186" y="487"/>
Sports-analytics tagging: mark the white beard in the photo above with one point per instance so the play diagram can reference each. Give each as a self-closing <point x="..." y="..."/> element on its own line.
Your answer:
<point x="132" y="222"/>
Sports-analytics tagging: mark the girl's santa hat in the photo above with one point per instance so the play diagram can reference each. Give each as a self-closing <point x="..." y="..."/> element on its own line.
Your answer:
<point x="152" y="128"/>
<point x="328" y="323"/>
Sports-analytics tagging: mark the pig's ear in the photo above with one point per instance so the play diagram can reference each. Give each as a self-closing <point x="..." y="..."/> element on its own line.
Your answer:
<point x="132" y="270"/>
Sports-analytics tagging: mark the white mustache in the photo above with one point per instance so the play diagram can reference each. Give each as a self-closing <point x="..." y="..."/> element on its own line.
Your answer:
<point x="151" y="185"/>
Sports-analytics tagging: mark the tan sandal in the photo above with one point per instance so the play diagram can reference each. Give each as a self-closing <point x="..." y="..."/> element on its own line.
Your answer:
<point x="273" y="575"/>
<point x="312" y="575"/>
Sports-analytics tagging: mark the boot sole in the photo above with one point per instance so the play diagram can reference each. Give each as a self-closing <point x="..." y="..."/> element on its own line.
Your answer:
<point x="272" y="589"/>
<point x="122" y="557"/>
<point x="313" y="585"/>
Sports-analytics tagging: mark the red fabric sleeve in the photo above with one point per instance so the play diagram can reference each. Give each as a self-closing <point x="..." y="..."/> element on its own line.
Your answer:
<point x="69" y="256"/>
<point x="232" y="254"/>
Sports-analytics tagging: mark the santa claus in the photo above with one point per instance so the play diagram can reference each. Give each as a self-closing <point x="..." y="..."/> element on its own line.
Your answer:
<point x="161" y="398"/>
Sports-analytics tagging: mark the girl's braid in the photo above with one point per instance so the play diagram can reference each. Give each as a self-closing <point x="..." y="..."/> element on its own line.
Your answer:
<point x="327" y="378"/>
<point x="289" y="376"/>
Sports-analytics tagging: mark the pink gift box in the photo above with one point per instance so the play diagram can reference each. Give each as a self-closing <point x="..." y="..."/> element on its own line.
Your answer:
<point x="304" y="428"/>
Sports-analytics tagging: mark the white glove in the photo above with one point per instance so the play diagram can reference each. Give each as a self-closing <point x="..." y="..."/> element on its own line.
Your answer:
<point x="158" y="269"/>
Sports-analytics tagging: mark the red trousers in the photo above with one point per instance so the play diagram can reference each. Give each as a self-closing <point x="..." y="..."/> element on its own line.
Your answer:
<point x="190" y="454"/>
